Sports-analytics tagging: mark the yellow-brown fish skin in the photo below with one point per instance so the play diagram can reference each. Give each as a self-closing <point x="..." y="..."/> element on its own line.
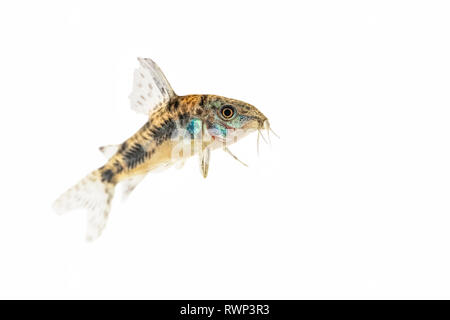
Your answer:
<point x="177" y="128"/>
<point x="152" y="145"/>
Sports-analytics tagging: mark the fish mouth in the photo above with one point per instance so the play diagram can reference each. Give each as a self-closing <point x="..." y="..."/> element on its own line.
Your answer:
<point x="263" y="123"/>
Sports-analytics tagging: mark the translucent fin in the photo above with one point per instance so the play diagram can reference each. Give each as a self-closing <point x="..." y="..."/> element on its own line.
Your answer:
<point x="204" y="161"/>
<point x="203" y="151"/>
<point x="231" y="154"/>
<point x="150" y="88"/>
<point x="109" y="150"/>
<point x="180" y="164"/>
<point x="92" y="194"/>
<point x="128" y="185"/>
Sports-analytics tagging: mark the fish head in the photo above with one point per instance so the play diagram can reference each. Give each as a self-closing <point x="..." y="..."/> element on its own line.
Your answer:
<point x="230" y="119"/>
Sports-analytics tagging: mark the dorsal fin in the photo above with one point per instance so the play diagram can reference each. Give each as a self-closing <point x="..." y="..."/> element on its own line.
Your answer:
<point x="150" y="88"/>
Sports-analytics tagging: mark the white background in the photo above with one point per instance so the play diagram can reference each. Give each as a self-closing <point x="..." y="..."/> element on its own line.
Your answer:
<point x="351" y="202"/>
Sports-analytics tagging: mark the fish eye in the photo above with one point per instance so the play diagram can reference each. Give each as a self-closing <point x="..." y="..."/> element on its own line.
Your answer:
<point x="227" y="112"/>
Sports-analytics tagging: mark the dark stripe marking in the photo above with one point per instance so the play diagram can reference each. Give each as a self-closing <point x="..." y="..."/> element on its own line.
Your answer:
<point x="135" y="156"/>
<point x="183" y="119"/>
<point x="173" y="106"/>
<point x="203" y="100"/>
<point x="123" y="147"/>
<point x="163" y="132"/>
<point x="107" y="175"/>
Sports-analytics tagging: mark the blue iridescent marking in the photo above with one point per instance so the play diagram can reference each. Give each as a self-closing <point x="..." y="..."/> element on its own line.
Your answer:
<point x="194" y="126"/>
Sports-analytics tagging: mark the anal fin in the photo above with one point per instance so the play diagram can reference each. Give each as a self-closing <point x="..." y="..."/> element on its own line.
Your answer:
<point x="128" y="185"/>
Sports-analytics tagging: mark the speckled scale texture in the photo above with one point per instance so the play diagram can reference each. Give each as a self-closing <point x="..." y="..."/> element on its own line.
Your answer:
<point x="201" y="122"/>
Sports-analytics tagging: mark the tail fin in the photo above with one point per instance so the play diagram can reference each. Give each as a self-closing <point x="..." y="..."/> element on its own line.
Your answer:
<point x="92" y="194"/>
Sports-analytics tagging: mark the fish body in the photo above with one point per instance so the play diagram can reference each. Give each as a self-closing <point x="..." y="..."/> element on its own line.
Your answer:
<point x="178" y="127"/>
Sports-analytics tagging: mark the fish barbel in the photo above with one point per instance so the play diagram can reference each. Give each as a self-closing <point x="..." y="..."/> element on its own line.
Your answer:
<point x="178" y="127"/>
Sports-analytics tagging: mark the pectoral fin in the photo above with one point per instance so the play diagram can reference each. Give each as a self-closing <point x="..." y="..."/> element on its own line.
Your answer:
<point x="203" y="151"/>
<point x="204" y="161"/>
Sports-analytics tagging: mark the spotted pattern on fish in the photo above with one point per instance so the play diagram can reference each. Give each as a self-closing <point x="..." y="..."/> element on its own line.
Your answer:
<point x="107" y="175"/>
<point x="173" y="105"/>
<point x="118" y="166"/>
<point x="151" y="146"/>
<point x="123" y="147"/>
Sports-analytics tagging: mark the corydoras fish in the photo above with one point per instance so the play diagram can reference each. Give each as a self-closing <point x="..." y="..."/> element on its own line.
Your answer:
<point x="178" y="127"/>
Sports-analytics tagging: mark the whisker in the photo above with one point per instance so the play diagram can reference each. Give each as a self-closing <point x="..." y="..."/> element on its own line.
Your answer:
<point x="257" y="144"/>
<point x="236" y="158"/>
<point x="268" y="135"/>
<point x="262" y="136"/>
<point x="274" y="133"/>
